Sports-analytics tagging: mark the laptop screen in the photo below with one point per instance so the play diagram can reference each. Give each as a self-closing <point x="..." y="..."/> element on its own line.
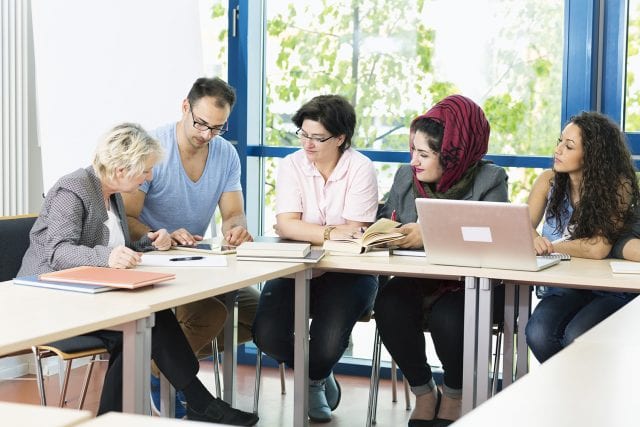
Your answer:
<point x="478" y="234"/>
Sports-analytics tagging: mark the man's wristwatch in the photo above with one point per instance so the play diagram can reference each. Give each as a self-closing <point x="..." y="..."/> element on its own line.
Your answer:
<point x="327" y="232"/>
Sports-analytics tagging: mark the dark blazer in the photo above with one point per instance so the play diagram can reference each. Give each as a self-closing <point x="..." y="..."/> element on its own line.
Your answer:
<point x="71" y="230"/>
<point x="489" y="185"/>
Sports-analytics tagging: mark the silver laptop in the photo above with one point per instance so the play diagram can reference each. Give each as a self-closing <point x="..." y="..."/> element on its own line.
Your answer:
<point x="479" y="234"/>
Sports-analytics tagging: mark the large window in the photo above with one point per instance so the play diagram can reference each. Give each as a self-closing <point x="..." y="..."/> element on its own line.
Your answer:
<point x="529" y="64"/>
<point x="632" y="93"/>
<point x="394" y="59"/>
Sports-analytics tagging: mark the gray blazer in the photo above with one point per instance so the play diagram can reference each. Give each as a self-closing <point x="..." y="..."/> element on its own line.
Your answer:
<point x="490" y="185"/>
<point x="71" y="230"/>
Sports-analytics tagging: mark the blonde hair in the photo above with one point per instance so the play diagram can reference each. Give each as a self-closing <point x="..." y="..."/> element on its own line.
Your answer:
<point x="126" y="146"/>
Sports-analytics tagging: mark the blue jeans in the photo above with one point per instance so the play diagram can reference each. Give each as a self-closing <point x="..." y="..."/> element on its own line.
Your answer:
<point x="559" y="319"/>
<point x="336" y="302"/>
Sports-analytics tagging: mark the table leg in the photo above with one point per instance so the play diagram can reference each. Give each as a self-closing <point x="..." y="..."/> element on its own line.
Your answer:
<point x="485" y="323"/>
<point x="524" y="310"/>
<point x="510" y="316"/>
<point x="136" y="368"/>
<point x="301" y="349"/>
<point x="167" y="398"/>
<point x="230" y="354"/>
<point x="469" y="354"/>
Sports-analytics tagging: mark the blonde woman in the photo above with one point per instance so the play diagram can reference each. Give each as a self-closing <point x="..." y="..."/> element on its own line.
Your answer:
<point x="83" y="223"/>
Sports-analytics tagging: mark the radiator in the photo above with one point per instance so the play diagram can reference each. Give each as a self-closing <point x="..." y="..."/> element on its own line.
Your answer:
<point x="14" y="28"/>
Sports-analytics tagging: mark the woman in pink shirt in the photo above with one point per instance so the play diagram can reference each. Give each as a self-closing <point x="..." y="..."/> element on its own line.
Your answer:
<point x="324" y="190"/>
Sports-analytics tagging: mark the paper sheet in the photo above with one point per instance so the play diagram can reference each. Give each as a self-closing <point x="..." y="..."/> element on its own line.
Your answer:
<point x="156" y="260"/>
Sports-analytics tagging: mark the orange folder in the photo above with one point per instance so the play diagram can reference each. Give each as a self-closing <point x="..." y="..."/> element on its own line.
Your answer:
<point x="105" y="276"/>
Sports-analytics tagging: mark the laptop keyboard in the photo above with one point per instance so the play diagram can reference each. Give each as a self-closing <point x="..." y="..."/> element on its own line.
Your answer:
<point x="555" y="255"/>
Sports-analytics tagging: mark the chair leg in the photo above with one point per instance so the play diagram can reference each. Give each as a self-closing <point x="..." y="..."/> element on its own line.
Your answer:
<point x="394" y="381"/>
<point x="407" y="394"/>
<point x="216" y="367"/>
<point x="39" y="376"/>
<point x="256" y="388"/>
<point x="375" y="380"/>
<point x="496" y="366"/>
<point x="85" y="383"/>
<point x="283" y="387"/>
<point x="65" y="383"/>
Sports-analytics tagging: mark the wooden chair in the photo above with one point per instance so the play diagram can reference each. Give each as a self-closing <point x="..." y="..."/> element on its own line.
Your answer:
<point x="13" y="245"/>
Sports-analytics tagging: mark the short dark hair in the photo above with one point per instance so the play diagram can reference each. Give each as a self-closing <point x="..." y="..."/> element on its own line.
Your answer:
<point x="214" y="87"/>
<point x="334" y="112"/>
<point x="432" y="128"/>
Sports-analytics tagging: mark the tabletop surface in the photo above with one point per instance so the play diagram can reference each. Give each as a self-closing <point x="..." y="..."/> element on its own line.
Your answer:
<point x="589" y="383"/>
<point x="23" y="415"/>
<point x="33" y="316"/>
<point x="576" y="273"/>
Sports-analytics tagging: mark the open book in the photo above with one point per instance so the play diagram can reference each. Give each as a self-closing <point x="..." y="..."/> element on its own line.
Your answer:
<point x="380" y="233"/>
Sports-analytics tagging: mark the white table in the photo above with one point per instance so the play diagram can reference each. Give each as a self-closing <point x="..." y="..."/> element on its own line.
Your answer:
<point x="23" y="415"/>
<point x="118" y="419"/>
<point x="592" y="382"/>
<point x="35" y="316"/>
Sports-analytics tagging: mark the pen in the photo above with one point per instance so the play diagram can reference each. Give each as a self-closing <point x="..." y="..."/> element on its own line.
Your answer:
<point x="394" y="216"/>
<point x="187" y="258"/>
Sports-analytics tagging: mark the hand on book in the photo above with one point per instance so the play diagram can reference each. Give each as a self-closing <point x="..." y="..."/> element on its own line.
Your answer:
<point x="182" y="237"/>
<point x="412" y="238"/>
<point x="160" y="239"/>
<point x="347" y="232"/>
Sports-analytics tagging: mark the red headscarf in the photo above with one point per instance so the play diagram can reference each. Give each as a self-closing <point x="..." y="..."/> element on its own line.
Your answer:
<point x="464" y="142"/>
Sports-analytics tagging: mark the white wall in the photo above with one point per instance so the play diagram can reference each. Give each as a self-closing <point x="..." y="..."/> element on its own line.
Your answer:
<point x="99" y="63"/>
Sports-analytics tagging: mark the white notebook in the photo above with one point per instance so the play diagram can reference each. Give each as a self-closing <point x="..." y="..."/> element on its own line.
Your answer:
<point x="625" y="267"/>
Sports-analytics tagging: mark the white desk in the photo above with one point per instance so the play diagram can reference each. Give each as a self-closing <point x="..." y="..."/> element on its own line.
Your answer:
<point x="23" y="415"/>
<point x="46" y="315"/>
<point x="592" y="382"/>
<point x="34" y="316"/>
<point x="118" y="419"/>
<point x="197" y="283"/>
<point x="578" y="273"/>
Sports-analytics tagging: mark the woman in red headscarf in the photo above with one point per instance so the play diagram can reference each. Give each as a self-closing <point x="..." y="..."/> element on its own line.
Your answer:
<point x="447" y="144"/>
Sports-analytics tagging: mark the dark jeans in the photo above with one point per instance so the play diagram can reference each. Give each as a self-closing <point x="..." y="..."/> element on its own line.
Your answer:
<point x="559" y="319"/>
<point x="169" y="349"/>
<point x="336" y="302"/>
<point x="402" y="320"/>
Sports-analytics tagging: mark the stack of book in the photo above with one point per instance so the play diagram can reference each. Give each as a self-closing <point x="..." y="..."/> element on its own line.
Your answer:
<point x="278" y="251"/>
<point x="94" y="279"/>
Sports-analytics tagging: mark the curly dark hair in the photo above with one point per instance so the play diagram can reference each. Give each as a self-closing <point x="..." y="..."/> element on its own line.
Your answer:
<point x="609" y="190"/>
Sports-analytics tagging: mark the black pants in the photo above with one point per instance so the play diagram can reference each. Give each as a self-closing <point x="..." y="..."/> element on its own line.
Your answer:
<point x="401" y="317"/>
<point x="169" y="349"/>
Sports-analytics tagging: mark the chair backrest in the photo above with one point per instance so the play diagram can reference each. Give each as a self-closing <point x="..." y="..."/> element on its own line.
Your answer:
<point x="14" y="241"/>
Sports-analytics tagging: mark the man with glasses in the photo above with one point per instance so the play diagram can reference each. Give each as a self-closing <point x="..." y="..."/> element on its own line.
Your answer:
<point x="200" y="171"/>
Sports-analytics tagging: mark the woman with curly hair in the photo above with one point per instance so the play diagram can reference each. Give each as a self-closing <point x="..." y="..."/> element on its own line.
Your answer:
<point x="588" y="201"/>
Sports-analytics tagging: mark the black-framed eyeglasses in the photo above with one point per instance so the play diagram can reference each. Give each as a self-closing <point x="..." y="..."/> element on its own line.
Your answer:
<point x="216" y="130"/>
<point x="302" y="135"/>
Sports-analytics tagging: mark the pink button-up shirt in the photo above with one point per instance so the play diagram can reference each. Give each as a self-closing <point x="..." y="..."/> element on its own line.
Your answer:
<point x="350" y="193"/>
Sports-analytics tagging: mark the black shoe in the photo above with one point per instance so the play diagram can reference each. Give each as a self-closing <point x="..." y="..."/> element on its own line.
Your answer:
<point x="433" y="422"/>
<point x="221" y="412"/>
<point x="441" y="422"/>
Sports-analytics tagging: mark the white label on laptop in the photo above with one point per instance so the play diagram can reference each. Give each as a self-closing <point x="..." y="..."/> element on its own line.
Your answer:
<point x="476" y="234"/>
